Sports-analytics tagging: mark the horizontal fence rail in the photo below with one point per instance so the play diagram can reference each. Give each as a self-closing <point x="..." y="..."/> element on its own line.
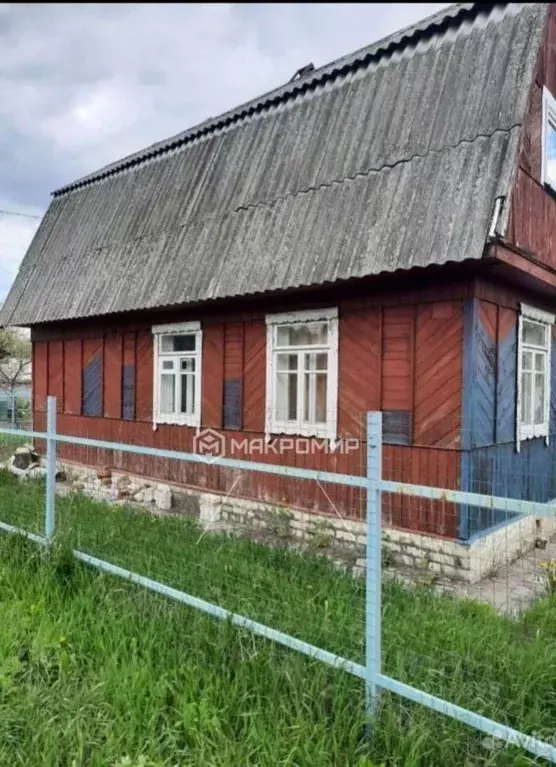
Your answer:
<point x="219" y="612"/>
<point x="546" y="510"/>
<point x="371" y="673"/>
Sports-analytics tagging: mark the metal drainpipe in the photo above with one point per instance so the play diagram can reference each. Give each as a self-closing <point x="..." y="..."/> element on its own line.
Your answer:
<point x="493" y="229"/>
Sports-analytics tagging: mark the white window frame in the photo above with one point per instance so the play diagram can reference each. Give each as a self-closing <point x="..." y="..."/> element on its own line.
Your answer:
<point x="275" y="426"/>
<point x="548" y="115"/>
<point x="175" y="329"/>
<point x="530" y="431"/>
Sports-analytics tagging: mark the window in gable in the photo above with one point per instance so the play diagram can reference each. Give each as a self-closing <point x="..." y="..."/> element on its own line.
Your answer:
<point x="548" y="139"/>
<point x="177" y="373"/>
<point x="302" y="373"/>
<point x="533" y="368"/>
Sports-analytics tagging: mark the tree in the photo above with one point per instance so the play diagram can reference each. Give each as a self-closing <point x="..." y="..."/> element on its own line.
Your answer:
<point x="15" y="362"/>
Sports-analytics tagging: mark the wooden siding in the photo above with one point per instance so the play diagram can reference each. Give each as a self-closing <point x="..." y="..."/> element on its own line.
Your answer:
<point x="233" y="375"/>
<point x="359" y="369"/>
<point x="398" y="329"/>
<point x="398" y="357"/>
<point x="112" y="375"/>
<point x="254" y="376"/>
<point x="40" y="375"/>
<point x="506" y="348"/>
<point x="144" y="376"/>
<point x="56" y="372"/>
<point x="127" y="377"/>
<point x="233" y="350"/>
<point x="428" y="466"/>
<point x="438" y="375"/>
<point x="73" y="363"/>
<point x="212" y="378"/>
<point x="532" y="220"/>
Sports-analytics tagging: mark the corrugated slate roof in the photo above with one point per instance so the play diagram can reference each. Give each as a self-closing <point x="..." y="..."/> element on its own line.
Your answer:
<point x="389" y="158"/>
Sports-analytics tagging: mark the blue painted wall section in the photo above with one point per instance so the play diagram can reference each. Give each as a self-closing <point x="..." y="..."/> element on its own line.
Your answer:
<point x="484" y="384"/>
<point x="490" y="463"/>
<point x="506" y="387"/>
<point x="469" y="338"/>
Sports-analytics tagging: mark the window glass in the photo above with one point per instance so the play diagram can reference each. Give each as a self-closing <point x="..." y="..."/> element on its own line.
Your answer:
<point x="167" y="394"/>
<point x="307" y="334"/>
<point x="321" y="398"/>
<point x="286" y="397"/>
<point x="534" y="333"/>
<point x="539" y="398"/>
<point x="187" y="394"/>
<point x="534" y="359"/>
<point x="188" y="365"/>
<point x="287" y="361"/>
<point x="178" y="343"/>
<point x="550" y="150"/>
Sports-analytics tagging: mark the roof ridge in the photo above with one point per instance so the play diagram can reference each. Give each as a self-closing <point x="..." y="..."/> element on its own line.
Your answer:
<point x="285" y="92"/>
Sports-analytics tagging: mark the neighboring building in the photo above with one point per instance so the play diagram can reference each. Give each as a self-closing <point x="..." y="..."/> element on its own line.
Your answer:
<point x="378" y="234"/>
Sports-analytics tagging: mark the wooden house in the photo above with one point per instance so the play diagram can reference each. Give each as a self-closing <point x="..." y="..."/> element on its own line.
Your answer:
<point x="377" y="234"/>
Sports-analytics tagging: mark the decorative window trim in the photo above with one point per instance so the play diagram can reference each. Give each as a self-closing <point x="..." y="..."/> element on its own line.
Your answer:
<point x="539" y="315"/>
<point x="306" y="315"/>
<point x="175" y="329"/>
<point x="548" y="112"/>
<point x="526" y="431"/>
<point x="324" y="431"/>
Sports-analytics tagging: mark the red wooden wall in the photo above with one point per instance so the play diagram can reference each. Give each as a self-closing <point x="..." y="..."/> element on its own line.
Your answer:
<point x="397" y="353"/>
<point x="532" y="221"/>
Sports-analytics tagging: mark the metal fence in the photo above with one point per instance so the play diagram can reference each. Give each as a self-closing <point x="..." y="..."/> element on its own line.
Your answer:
<point x="369" y="666"/>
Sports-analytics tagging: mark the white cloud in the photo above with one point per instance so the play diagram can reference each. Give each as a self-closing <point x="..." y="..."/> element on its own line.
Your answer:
<point x="16" y="233"/>
<point x="82" y="85"/>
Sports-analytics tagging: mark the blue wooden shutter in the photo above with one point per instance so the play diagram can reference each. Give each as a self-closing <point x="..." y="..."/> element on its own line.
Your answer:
<point x="92" y="387"/>
<point x="128" y="392"/>
<point x="232" y="404"/>
<point x="396" y="427"/>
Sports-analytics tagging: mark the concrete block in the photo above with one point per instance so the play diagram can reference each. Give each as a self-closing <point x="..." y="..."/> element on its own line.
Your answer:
<point x="163" y="497"/>
<point x="209" y="512"/>
<point x="148" y="495"/>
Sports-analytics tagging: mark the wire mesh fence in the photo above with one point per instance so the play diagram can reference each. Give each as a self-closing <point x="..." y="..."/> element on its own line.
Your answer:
<point x="434" y="602"/>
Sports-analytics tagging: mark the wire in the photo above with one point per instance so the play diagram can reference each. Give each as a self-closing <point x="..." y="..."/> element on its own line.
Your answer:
<point x="15" y="213"/>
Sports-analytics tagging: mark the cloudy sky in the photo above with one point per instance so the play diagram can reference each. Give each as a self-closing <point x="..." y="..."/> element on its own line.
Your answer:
<point x="82" y="85"/>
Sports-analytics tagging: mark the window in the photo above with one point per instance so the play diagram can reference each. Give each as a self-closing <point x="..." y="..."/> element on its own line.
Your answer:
<point x="302" y="373"/>
<point x="548" y="140"/>
<point x="533" y="369"/>
<point x="177" y="373"/>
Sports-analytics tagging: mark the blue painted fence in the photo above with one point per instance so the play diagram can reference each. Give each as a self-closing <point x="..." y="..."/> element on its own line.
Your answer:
<point x="371" y="673"/>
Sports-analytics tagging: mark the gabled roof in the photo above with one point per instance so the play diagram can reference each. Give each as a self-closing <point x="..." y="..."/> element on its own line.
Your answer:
<point x="389" y="158"/>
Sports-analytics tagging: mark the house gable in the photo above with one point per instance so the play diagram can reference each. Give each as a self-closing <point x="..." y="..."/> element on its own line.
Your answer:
<point x="532" y="221"/>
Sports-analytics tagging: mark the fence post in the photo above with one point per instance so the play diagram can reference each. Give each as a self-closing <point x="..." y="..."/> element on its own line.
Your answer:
<point x="373" y="615"/>
<point x="50" y="467"/>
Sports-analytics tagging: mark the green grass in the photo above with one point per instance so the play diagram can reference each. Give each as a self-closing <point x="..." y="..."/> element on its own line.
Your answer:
<point x="93" y="669"/>
<point x="8" y="443"/>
